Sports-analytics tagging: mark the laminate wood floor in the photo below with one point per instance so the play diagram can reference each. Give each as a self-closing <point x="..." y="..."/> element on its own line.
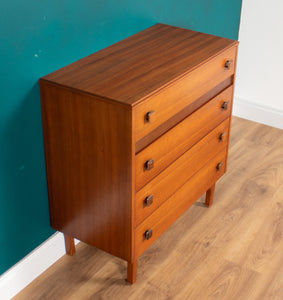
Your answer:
<point x="233" y="250"/>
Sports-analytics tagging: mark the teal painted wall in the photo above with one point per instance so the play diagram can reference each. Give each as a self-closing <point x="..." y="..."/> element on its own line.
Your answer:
<point x="38" y="37"/>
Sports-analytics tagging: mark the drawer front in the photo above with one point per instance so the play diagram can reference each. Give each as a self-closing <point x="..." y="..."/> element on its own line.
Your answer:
<point x="159" y="107"/>
<point x="153" y="194"/>
<point x="162" y="218"/>
<point x="161" y="153"/>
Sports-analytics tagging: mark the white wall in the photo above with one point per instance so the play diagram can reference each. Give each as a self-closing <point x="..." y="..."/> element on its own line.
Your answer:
<point x="259" y="81"/>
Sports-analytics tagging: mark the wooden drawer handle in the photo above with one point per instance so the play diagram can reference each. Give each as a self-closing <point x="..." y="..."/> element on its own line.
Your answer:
<point x="149" y="164"/>
<point x="224" y="105"/>
<point x="148" y="115"/>
<point x="228" y="64"/>
<point x="219" y="166"/>
<point x="148" y="200"/>
<point x="148" y="234"/>
<point x="221" y="136"/>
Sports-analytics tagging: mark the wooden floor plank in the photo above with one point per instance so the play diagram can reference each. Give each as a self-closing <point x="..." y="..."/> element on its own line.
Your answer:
<point x="233" y="250"/>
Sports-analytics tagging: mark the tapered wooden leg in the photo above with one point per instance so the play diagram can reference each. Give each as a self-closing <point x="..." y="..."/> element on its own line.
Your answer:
<point x="210" y="196"/>
<point x="69" y="245"/>
<point x="132" y="272"/>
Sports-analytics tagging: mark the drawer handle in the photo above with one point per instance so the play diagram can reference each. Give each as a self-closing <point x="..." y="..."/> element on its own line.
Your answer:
<point x="148" y="115"/>
<point x="224" y="105"/>
<point x="149" y="164"/>
<point x="221" y="136"/>
<point x="148" y="234"/>
<point x="228" y="64"/>
<point x="148" y="200"/>
<point x="218" y="167"/>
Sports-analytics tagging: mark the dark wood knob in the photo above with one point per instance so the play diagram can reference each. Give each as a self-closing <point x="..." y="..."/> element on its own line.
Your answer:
<point x="148" y="115"/>
<point x="149" y="164"/>
<point x="228" y="64"/>
<point x="224" y="105"/>
<point x="221" y="136"/>
<point x="219" y="166"/>
<point x="148" y="200"/>
<point x="148" y="234"/>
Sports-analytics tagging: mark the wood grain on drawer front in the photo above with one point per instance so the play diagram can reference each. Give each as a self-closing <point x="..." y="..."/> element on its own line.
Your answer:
<point x="164" y="216"/>
<point x="167" y="182"/>
<point x="176" y="96"/>
<point x="180" y="138"/>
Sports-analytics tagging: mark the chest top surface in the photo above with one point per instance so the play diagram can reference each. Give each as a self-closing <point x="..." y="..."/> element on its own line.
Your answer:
<point x="138" y="66"/>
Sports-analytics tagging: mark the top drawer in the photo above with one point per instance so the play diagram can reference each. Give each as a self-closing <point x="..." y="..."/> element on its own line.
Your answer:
<point x="159" y="107"/>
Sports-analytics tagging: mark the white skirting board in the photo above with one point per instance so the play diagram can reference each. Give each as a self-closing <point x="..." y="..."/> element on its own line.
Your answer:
<point x="31" y="266"/>
<point x="256" y="112"/>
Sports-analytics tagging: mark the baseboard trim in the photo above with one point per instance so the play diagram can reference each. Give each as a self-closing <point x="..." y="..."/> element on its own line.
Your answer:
<point x="259" y="113"/>
<point x="26" y="270"/>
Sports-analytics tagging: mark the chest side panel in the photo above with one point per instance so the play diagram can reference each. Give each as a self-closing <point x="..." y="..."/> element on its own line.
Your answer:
<point x="88" y="145"/>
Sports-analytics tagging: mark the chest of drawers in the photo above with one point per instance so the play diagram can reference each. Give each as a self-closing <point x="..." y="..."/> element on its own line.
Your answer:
<point x="134" y="134"/>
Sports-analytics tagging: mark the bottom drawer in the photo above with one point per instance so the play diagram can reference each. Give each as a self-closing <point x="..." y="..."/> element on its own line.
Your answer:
<point x="161" y="219"/>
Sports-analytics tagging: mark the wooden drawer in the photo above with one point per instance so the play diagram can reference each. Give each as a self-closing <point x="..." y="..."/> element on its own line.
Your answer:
<point x="167" y="182"/>
<point x="164" y="216"/>
<point x="176" y="96"/>
<point x="180" y="138"/>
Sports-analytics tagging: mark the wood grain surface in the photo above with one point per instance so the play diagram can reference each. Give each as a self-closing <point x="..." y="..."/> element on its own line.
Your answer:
<point x="181" y="137"/>
<point x="88" y="148"/>
<point x="133" y="68"/>
<point x="231" y="251"/>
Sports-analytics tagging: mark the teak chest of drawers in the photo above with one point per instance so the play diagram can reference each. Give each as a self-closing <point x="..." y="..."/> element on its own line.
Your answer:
<point x="134" y="135"/>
